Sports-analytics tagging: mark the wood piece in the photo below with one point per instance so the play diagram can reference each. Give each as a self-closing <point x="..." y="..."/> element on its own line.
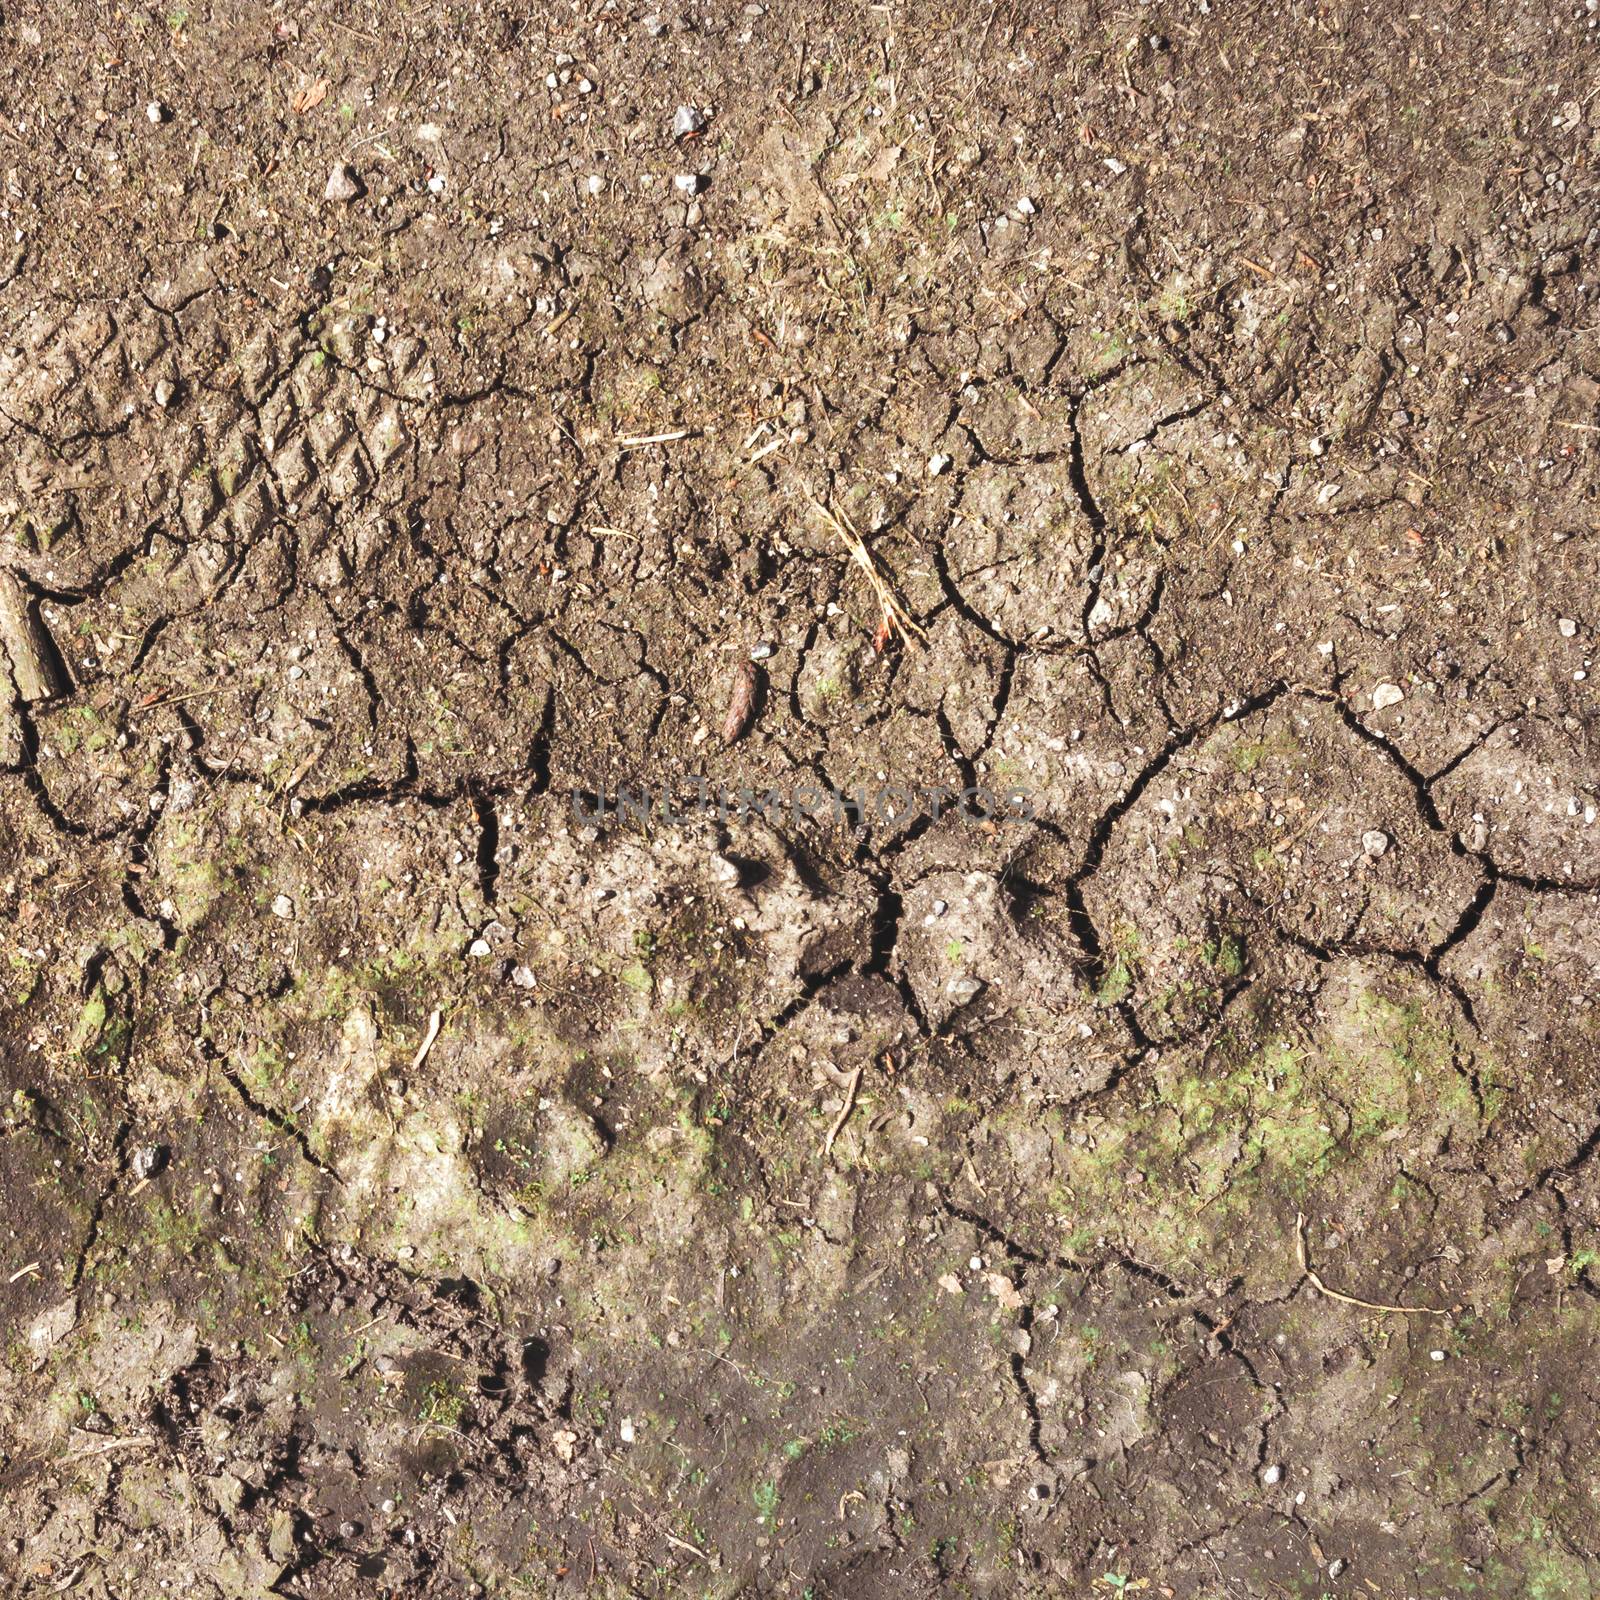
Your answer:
<point x="35" y="668"/>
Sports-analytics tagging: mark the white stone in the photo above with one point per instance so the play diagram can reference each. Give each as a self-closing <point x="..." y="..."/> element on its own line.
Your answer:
<point x="342" y="185"/>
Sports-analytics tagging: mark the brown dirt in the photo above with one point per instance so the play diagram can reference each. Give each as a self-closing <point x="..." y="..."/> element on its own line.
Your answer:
<point x="788" y="1206"/>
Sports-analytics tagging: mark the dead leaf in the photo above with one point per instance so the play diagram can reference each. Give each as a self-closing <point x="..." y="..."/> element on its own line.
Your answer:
<point x="1003" y="1289"/>
<point x="309" y="98"/>
<point x="49" y="1328"/>
<point x="884" y="164"/>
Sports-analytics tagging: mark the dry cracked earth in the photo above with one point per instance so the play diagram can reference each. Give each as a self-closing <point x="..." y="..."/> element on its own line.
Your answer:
<point x="1180" y="1181"/>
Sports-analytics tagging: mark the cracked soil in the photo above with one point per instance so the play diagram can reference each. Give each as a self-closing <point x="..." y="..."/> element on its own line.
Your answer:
<point x="417" y="1184"/>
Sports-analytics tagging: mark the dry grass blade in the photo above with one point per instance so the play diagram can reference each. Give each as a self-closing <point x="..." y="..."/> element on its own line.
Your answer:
<point x="896" y="619"/>
<point x="1350" y="1299"/>
<point x="635" y="441"/>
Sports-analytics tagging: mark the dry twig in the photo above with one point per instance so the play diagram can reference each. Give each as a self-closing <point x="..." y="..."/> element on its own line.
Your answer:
<point x="839" y="1121"/>
<point x="434" y="1019"/>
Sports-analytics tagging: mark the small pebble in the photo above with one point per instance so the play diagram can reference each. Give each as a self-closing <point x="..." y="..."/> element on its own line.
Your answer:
<point x="937" y="464"/>
<point x="147" y="1160"/>
<point x="1272" y="1475"/>
<point x="962" y="989"/>
<point x="1386" y="695"/>
<point x="156" y="112"/>
<point x="687" y="120"/>
<point x="1436" y="1355"/>
<point x="164" y="392"/>
<point x="688" y="183"/>
<point x="343" y="185"/>
<point x="1026" y="207"/>
<point x="282" y="906"/>
<point x="1566" y="627"/>
<point x="478" y="948"/>
<point x="626" y="1431"/>
<point x="1374" y="841"/>
<point x="763" y="651"/>
<point x="523" y="978"/>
